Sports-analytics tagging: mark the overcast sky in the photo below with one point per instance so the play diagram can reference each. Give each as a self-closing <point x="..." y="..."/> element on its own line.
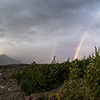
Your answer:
<point x="36" y="30"/>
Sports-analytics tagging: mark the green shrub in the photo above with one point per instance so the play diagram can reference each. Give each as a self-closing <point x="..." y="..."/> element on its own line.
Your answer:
<point x="83" y="82"/>
<point x="43" y="77"/>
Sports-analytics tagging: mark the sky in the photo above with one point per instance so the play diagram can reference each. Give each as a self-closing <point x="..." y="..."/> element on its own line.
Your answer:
<point x="36" y="30"/>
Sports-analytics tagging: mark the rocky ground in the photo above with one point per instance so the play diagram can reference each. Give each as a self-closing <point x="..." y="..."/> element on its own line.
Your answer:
<point x="9" y="89"/>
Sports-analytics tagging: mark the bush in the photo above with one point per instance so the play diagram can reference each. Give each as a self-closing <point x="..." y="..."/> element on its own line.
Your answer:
<point x="41" y="77"/>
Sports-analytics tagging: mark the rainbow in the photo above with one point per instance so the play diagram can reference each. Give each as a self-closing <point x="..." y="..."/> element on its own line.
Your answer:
<point x="83" y="37"/>
<point x="79" y="45"/>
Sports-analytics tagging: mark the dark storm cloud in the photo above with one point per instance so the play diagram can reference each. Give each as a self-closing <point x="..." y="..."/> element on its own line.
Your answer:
<point x="19" y="16"/>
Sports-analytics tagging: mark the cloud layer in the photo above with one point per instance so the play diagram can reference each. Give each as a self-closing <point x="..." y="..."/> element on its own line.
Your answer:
<point x="39" y="29"/>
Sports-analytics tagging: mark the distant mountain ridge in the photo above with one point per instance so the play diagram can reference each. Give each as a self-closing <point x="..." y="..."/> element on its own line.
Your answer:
<point x="5" y="60"/>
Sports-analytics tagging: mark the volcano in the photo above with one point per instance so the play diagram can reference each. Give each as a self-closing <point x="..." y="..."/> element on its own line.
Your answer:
<point x="6" y="60"/>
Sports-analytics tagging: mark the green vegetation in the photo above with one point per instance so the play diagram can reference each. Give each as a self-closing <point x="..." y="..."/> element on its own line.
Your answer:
<point x="43" y="77"/>
<point x="80" y="79"/>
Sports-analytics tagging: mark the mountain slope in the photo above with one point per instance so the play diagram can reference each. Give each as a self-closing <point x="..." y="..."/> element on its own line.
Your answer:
<point x="5" y="60"/>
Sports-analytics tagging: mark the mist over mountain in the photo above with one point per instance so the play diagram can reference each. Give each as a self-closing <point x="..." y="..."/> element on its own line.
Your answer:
<point x="5" y="60"/>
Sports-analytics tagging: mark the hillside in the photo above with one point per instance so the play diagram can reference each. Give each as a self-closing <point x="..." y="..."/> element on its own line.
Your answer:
<point x="70" y="80"/>
<point x="5" y="60"/>
<point x="78" y="79"/>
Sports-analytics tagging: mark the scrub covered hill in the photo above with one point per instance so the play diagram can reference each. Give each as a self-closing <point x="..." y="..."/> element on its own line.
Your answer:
<point x="77" y="80"/>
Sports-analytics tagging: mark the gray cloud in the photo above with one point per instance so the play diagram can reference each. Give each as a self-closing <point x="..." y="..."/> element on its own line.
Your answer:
<point x="40" y="24"/>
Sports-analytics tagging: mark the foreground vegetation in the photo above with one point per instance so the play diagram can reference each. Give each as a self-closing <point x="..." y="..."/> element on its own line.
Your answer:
<point x="80" y="79"/>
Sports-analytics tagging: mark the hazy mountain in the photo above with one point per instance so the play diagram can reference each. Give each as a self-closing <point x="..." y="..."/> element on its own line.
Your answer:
<point x="4" y="60"/>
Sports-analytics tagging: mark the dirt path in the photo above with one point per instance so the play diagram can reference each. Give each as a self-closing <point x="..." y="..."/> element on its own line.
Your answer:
<point x="9" y="89"/>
